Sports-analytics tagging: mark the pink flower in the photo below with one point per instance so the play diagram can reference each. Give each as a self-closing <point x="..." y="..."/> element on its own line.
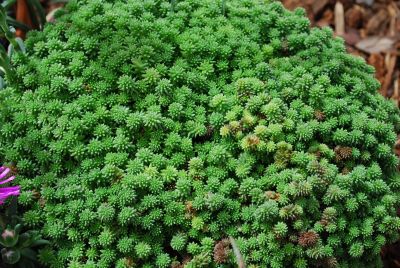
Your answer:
<point x="6" y="192"/>
<point x="8" y="233"/>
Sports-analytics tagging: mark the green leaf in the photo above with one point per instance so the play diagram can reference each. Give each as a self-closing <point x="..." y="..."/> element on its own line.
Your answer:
<point x="17" y="24"/>
<point x="2" y="85"/>
<point x="25" y="263"/>
<point x="25" y="240"/>
<point x="21" y="45"/>
<point x="10" y="50"/>
<point x="18" y="228"/>
<point x="223" y="7"/>
<point x="173" y="3"/>
<point x="28" y="253"/>
<point x="3" y="16"/>
<point x="12" y="208"/>
<point x="40" y="242"/>
<point x="7" y="4"/>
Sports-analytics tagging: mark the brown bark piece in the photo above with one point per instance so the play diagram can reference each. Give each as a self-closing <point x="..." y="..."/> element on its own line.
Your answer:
<point x="378" y="61"/>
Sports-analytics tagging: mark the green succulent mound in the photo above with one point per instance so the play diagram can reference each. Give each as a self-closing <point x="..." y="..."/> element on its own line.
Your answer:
<point x="153" y="133"/>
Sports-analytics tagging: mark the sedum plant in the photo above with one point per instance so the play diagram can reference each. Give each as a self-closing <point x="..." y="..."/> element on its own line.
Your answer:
<point x="199" y="133"/>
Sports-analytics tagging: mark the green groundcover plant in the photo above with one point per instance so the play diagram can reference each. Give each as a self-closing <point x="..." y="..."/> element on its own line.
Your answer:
<point x="158" y="133"/>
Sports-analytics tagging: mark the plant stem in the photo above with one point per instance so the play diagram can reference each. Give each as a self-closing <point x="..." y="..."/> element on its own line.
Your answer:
<point x="236" y="251"/>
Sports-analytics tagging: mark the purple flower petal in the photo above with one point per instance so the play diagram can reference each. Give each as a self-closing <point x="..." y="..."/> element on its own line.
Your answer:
<point x="7" y="180"/>
<point x="9" y="189"/>
<point x="15" y="192"/>
<point x="4" y="173"/>
<point x="6" y="192"/>
<point x="5" y="195"/>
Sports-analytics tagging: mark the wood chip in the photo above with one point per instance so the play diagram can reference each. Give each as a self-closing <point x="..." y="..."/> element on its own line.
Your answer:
<point x="50" y="16"/>
<point x="339" y="19"/>
<point x="375" y="44"/>
<point x="378" y="61"/>
<point x="391" y="63"/>
<point x="378" y="21"/>
<point x="306" y="4"/>
<point x="396" y="90"/>
<point x="319" y="5"/>
<point x="394" y="13"/>
<point x="327" y="19"/>
<point x="354" y="16"/>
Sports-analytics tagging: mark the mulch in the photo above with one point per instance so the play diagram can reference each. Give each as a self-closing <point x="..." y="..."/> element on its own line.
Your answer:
<point x="371" y="29"/>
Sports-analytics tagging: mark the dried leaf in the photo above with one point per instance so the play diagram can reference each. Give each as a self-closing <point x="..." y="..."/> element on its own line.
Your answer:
<point x="365" y="2"/>
<point x="375" y="44"/>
